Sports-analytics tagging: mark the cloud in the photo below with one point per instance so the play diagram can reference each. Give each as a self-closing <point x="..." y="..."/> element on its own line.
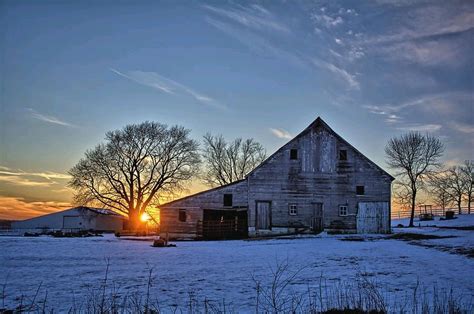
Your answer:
<point x="48" y="119"/>
<point x="255" y="16"/>
<point x="420" y="127"/>
<point x="257" y="43"/>
<point x="462" y="127"/>
<point x="281" y="133"/>
<point x="32" y="179"/>
<point x="423" y="113"/>
<point x="18" y="208"/>
<point x="166" y="85"/>
<point x="427" y="35"/>
<point x="350" y="79"/>
<point x="327" y="20"/>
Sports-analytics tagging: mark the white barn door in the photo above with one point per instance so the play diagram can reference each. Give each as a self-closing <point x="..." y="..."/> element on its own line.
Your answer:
<point x="373" y="217"/>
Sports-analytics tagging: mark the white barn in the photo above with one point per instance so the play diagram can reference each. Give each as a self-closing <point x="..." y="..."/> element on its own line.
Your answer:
<point x="74" y="219"/>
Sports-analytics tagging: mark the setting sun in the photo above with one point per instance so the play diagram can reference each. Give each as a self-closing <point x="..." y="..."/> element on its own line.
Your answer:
<point x="145" y="217"/>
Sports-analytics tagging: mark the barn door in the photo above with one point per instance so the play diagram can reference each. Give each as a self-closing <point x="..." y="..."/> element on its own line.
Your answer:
<point x="317" y="219"/>
<point x="263" y="217"/>
<point x="373" y="217"/>
<point x="72" y="222"/>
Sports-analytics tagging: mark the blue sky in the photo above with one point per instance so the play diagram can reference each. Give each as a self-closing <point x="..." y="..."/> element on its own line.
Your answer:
<point x="70" y="71"/>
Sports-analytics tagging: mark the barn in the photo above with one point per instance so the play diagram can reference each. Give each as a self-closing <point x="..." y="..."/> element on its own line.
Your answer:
<point x="73" y="219"/>
<point x="317" y="181"/>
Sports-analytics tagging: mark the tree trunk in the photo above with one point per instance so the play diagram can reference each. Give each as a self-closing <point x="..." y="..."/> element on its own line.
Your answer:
<point x="459" y="201"/>
<point x="134" y="222"/>
<point x="413" y="201"/>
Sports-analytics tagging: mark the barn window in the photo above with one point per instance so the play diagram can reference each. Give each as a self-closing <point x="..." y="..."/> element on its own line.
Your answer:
<point x="343" y="154"/>
<point x="182" y="215"/>
<point x="293" y="154"/>
<point x="292" y="209"/>
<point x="342" y="210"/>
<point x="360" y="190"/>
<point x="227" y="199"/>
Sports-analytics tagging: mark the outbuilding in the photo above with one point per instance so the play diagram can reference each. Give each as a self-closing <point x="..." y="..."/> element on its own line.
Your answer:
<point x="73" y="219"/>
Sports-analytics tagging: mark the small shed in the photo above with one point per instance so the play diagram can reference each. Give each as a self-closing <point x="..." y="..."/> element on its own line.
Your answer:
<point x="74" y="219"/>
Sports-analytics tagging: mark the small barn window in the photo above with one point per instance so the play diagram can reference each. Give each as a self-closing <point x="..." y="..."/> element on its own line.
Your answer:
<point x="182" y="215"/>
<point x="292" y="210"/>
<point x="360" y="190"/>
<point x="343" y="154"/>
<point x="342" y="210"/>
<point x="227" y="200"/>
<point x="293" y="154"/>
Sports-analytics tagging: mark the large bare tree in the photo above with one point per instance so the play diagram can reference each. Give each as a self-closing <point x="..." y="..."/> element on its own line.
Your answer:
<point x="134" y="167"/>
<point x="228" y="162"/>
<point x="414" y="155"/>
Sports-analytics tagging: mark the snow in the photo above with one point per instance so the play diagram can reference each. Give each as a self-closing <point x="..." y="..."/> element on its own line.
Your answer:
<point x="459" y="221"/>
<point x="68" y="268"/>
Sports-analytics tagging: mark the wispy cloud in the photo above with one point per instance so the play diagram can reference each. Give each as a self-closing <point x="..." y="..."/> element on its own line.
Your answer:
<point x="166" y="85"/>
<point x="350" y="79"/>
<point x="49" y="119"/>
<point x="422" y="113"/>
<point x="257" y="38"/>
<point x="427" y="35"/>
<point x="281" y="133"/>
<point x="20" y="208"/>
<point x="33" y="179"/>
<point x="327" y="20"/>
<point x="254" y="16"/>
<point x="420" y="127"/>
<point x="462" y="127"/>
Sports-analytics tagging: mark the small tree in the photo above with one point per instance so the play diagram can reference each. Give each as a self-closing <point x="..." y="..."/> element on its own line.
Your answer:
<point x="457" y="185"/>
<point x="468" y="177"/>
<point x="414" y="155"/>
<point x="229" y="162"/>
<point x="134" y="166"/>
<point x="440" y="188"/>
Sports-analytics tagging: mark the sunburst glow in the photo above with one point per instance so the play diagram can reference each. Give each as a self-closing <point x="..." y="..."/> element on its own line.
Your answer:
<point x="145" y="217"/>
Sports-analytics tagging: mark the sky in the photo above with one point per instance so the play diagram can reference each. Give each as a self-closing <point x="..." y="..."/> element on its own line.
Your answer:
<point x="72" y="70"/>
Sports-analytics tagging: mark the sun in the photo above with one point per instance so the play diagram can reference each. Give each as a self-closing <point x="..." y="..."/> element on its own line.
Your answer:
<point x="145" y="217"/>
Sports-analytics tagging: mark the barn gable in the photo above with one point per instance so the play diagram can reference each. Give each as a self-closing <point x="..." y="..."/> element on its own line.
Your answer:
<point x="313" y="160"/>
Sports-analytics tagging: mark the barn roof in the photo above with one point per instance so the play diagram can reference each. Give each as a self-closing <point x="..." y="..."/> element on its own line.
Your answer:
<point x="202" y="192"/>
<point x="100" y="211"/>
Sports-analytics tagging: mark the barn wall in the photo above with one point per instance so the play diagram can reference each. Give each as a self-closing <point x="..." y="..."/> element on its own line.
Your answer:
<point x="194" y="206"/>
<point x="83" y="219"/>
<point x="316" y="176"/>
<point x="50" y="221"/>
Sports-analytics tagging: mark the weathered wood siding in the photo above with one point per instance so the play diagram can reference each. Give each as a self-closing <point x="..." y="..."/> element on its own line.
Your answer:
<point x="316" y="176"/>
<point x="194" y="206"/>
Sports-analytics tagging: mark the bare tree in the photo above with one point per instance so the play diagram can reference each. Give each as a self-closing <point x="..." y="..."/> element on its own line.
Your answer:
<point x="440" y="188"/>
<point x="229" y="162"/>
<point x="414" y="155"/>
<point x="468" y="176"/>
<point x="457" y="185"/>
<point x="134" y="166"/>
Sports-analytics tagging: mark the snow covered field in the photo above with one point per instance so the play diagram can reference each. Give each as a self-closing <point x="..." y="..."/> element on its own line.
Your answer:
<point x="68" y="268"/>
